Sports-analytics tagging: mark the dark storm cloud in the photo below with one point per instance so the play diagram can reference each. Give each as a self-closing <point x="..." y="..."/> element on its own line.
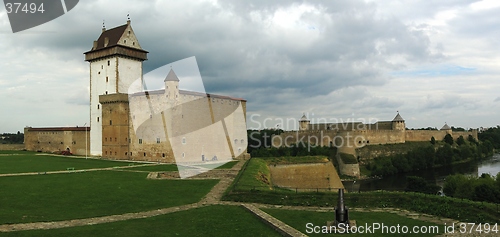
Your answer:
<point x="233" y="51"/>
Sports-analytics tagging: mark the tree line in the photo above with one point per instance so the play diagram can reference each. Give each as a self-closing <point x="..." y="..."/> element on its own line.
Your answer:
<point x="12" y="138"/>
<point x="438" y="153"/>
<point x="484" y="188"/>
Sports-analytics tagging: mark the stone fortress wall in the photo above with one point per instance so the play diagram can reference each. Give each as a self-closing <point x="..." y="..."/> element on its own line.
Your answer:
<point x="357" y="135"/>
<point x="175" y="126"/>
<point x="350" y="136"/>
<point x="57" y="139"/>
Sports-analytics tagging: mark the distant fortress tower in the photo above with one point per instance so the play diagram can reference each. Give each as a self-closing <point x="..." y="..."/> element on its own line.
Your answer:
<point x="115" y="62"/>
<point x="304" y="123"/>
<point x="398" y="123"/>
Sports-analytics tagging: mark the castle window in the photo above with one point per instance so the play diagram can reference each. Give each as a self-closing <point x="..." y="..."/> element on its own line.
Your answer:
<point x="115" y="153"/>
<point x="102" y="67"/>
<point x="106" y="79"/>
<point x="242" y="141"/>
<point x="183" y="140"/>
<point x="61" y="142"/>
<point x="97" y="106"/>
<point x="157" y="140"/>
<point x="144" y="153"/>
<point x="110" y="139"/>
<point x="124" y="41"/>
<point x="133" y="43"/>
<point x="108" y="63"/>
<point x="162" y="154"/>
<point x="110" y="122"/>
<point x="106" y="152"/>
<point x="115" y="139"/>
<point x="125" y="153"/>
<point x="106" y="92"/>
<point x="235" y="141"/>
<point x="183" y="155"/>
<point x="97" y="119"/>
<point x="129" y="32"/>
<point x="105" y="139"/>
<point x="140" y="141"/>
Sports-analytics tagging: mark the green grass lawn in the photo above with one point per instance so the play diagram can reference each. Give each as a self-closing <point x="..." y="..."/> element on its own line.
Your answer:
<point x="299" y="220"/>
<point x="162" y="167"/>
<point x="30" y="162"/>
<point x="89" y="194"/>
<point x="205" y="221"/>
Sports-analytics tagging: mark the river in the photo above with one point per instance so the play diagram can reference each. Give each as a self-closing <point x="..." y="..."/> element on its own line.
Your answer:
<point x="398" y="182"/>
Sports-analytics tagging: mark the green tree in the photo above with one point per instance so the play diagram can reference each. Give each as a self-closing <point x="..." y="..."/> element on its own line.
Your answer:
<point x="452" y="183"/>
<point x="471" y="139"/>
<point x="460" y="140"/>
<point x="444" y="155"/>
<point x="448" y="139"/>
<point x="420" y="185"/>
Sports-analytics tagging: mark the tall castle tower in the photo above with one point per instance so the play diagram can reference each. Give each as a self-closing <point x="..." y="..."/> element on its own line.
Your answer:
<point x="115" y="62"/>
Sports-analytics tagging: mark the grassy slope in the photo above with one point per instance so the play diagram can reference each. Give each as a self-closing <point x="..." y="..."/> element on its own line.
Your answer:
<point x="294" y="159"/>
<point x="205" y="221"/>
<point x="299" y="220"/>
<point x="256" y="176"/>
<point x="89" y="194"/>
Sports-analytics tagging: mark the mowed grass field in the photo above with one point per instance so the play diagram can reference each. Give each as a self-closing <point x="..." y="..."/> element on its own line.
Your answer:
<point x="25" y="162"/>
<point x="214" y="220"/>
<point x="75" y="195"/>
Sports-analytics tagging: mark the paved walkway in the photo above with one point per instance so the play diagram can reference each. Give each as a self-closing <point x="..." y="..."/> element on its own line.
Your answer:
<point x="226" y="177"/>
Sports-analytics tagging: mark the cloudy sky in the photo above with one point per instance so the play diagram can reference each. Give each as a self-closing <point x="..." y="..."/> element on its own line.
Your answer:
<point x="433" y="61"/>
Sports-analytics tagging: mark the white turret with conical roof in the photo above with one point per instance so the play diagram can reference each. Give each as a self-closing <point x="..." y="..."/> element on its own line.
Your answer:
<point x="171" y="85"/>
<point x="304" y="123"/>
<point x="398" y="123"/>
